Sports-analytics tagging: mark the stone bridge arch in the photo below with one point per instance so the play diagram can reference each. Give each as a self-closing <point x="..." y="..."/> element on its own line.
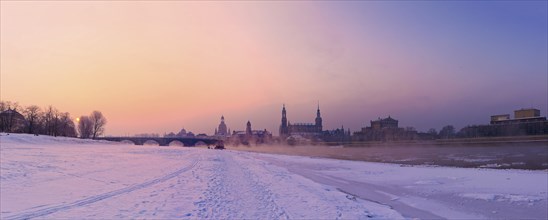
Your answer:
<point x="152" y="142"/>
<point x="126" y="141"/>
<point x="164" y="141"/>
<point x="200" y="144"/>
<point x="176" y="143"/>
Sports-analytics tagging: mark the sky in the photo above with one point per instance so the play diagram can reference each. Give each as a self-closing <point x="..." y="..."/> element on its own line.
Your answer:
<point x="159" y="66"/>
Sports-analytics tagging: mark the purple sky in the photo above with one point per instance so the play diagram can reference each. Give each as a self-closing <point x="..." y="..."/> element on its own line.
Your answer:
<point x="156" y="67"/>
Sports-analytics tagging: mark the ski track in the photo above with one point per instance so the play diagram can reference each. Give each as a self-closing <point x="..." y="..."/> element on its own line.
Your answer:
<point x="83" y="202"/>
<point x="233" y="186"/>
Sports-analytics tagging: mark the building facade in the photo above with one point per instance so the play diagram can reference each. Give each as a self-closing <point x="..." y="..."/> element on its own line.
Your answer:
<point x="308" y="130"/>
<point x="384" y="123"/>
<point x="385" y="129"/>
<point x="12" y="121"/>
<point x="338" y="136"/>
<point x="250" y="136"/>
<point x="520" y="116"/>
<point x="222" y="129"/>
<point x="526" y="113"/>
<point x="525" y="122"/>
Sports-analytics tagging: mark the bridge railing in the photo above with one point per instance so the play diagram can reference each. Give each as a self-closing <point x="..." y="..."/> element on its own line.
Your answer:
<point x="185" y="137"/>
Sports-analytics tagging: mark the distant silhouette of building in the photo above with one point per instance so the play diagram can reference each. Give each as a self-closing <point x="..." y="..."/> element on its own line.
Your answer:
<point x="384" y="130"/>
<point x="182" y="133"/>
<point x="526" y="113"/>
<point x="248" y="128"/>
<point x="309" y="130"/>
<point x="284" y="127"/>
<point x="250" y="136"/>
<point x="337" y="136"/>
<point x="222" y="129"/>
<point x="499" y="118"/>
<point x="12" y="121"/>
<point x="384" y="123"/>
<point x="520" y="116"/>
<point x="525" y="122"/>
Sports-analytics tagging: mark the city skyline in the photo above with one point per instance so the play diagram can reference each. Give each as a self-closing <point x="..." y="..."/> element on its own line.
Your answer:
<point x="157" y="67"/>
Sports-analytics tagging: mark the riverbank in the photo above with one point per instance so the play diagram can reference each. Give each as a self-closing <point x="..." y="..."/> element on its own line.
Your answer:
<point x="492" y="141"/>
<point x="499" y="153"/>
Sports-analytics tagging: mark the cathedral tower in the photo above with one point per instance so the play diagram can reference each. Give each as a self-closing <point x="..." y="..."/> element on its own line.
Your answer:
<point x="222" y="131"/>
<point x="318" y="119"/>
<point x="248" y="129"/>
<point x="284" y="129"/>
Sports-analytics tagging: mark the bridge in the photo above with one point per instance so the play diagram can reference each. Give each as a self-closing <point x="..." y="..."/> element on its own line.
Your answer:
<point x="164" y="141"/>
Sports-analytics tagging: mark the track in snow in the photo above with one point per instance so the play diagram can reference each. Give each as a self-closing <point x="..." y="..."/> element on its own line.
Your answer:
<point x="230" y="188"/>
<point x="56" y="208"/>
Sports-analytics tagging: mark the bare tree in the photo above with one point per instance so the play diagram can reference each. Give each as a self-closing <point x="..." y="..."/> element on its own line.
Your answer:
<point x="50" y="117"/>
<point x="433" y="133"/>
<point x="85" y="127"/>
<point x="99" y="121"/>
<point x="3" y="106"/>
<point x="48" y="121"/>
<point x="56" y="128"/>
<point x="66" y="125"/>
<point x="32" y="114"/>
<point x="3" y="120"/>
<point x="447" y="132"/>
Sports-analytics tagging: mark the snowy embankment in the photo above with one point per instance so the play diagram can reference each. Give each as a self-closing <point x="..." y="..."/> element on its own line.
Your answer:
<point x="48" y="177"/>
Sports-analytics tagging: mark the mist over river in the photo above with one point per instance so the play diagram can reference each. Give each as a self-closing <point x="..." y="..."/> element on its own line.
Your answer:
<point x="532" y="156"/>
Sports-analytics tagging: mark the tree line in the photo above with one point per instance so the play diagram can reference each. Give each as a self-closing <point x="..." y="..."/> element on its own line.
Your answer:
<point x="49" y="121"/>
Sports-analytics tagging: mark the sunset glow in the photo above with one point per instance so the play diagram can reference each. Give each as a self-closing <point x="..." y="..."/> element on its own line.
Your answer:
<point x="174" y="109"/>
<point x="162" y="66"/>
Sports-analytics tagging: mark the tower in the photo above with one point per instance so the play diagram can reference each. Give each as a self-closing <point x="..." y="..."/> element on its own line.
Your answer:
<point x="248" y="128"/>
<point x="284" y="129"/>
<point x="222" y="127"/>
<point x="318" y="119"/>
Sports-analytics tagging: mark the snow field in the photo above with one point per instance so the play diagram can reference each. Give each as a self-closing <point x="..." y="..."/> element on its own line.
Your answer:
<point x="59" y="178"/>
<point x="67" y="179"/>
<point x="431" y="192"/>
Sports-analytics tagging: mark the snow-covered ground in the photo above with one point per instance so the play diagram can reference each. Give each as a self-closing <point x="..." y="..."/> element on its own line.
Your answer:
<point x="47" y="177"/>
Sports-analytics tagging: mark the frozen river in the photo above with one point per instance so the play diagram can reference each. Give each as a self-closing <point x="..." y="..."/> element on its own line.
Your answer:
<point x="46" y="177"/>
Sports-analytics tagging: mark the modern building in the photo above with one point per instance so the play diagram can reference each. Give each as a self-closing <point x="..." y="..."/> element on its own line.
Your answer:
<point x="499" y="118"/>
<point x="308" y="130"/>
<point x="520" y="116"/>
<point x="525" y="122"/>
<point x="526" y="113"/>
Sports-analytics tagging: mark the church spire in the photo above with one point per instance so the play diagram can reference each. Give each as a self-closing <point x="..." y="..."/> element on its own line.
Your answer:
<point x="283" y="114"/>
<point x="318" y="118"/>
<point x="318" y="111"/>
<point x="284" y="126"/>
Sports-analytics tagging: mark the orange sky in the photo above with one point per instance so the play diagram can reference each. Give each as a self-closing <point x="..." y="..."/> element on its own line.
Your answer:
<point x="160" y="66"/>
